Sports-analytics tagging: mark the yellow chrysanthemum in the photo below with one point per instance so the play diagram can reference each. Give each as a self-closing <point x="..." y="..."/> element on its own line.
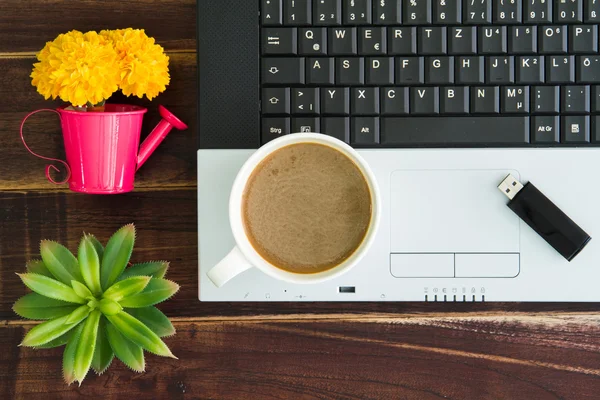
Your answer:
<point x="79" y="68"/>
<point x="143" y="64"/>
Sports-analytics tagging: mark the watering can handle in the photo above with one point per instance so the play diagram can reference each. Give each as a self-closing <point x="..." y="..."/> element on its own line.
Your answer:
<point x="68" y="169"/>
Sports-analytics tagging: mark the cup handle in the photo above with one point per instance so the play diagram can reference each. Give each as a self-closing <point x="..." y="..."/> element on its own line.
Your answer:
<point x="232" y="265"/>
<point x="68" y="169"/>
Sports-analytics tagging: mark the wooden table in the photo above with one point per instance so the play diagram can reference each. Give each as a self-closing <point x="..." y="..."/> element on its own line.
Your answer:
<point x="247" y="350"/>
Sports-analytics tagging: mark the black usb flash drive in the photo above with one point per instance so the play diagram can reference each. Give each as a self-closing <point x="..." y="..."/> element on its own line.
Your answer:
<point x="544" y="217"/>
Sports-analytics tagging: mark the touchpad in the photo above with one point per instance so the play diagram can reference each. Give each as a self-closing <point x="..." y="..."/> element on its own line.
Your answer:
<point x="451" y="211"/>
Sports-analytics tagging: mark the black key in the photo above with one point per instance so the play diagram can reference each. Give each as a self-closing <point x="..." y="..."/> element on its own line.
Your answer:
<point x="485" y="99"/>
<point x="545" y="129"/>
<point x="446" y="12"/>
<point x="591" y="12"/>
<point x="500" y="69"/>
<point x="327" y="12"/>
<point x="270" y="11"/>
<point x="342" y="41"/>
<point x="387" y="12"/>
<point x="439" y="70"/>
<point x="372" y="41"/>
<point x="454" y="130"/>
<point x="432" y="40"/>
<point x="507" y="11"/>
<point x="416" y="12"/>
<point x="470" y="70"/>
<point x="595" y="99"/>
<point x="357" y="12"/>
<point x="394" y="101"/>
<point x="463" y="40"/>
<point x="410" y="70"/>
<point x="537" y="11"/>
<point x="272" y="128"/>
<point x="455" y="100"/>
<point x="477" y="12"/>
<point x="575" y="129"/>
<point x="313" y="41"/>
<point x="365" y="131"/>
<point x="492" y="40"/>
<point x="522" y="40"/>
<point x="279" y="41"/>
<point x="297" y="12"/>
<point x="380" y="71"/>
<point x="588" y="69"/>
<point x="275" y="101"/>
<point x="424" y="100"/>
<point x="350" y="71"/>
<point x="560" y="69"/>
<point x="335" y="101"/>
<point x="596" y="128"/>
<point x="515" y="100"/>
<point x="575" y="99"/>
<point x="545" y="99"/>
<point x="568" y="11"/>
<point x="338" y="127"/>
<point x="364" y="101"/>
<point x="553" y="39"/>
<point x="402" y="41"/>
<point x="305" y="101"/>
<point x="530" y="69"/>
<point x="306" y="124"/>
<point x="282" y="71"/>
<point x="320" y="71"/>
<point x="583" y="39"/>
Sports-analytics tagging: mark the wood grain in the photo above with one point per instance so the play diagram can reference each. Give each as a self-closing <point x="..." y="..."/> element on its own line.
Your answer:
<point x="528" y="356"/>
<point x="172" y="165"/>
<point x="26" y="25"/>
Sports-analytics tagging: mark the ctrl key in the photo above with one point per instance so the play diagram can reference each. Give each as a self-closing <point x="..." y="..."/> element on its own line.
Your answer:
<point x="272" y="128"/>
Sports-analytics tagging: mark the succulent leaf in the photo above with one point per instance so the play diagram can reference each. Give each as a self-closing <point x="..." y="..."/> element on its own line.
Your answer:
<point x="60" y="262"/>
<point x="81" y="290"/>
<point x="97" y="245"/>
<point x="89" y="265"/>
<point x="69" y="355"/>
<point x="48" y="331"/>
<point x="103" y="353"/>
<point x="50" y="288"/>
<point x="59" y="341"/>
<point x="38" y="267"/>
<point x="127" y="287"/>
<point x="156" y="291"/>
<point x="86" y="346"/>
<point x="130" y="353"/>
<point x="109" y="307"/>
<point x="134" y="330"/>
<point x="154" y="319"/>
<point x="78" y="315"/>
<point x="155" y="269"/>
<point x="116" y="255"/>
<point x="36" y="306"/>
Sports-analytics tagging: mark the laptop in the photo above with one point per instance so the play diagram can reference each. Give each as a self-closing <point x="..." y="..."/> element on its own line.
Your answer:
<point x="443" y="99"/>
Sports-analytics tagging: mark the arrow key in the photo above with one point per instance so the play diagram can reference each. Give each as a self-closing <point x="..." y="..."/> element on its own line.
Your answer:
<point x="275" y="101"/>
<point x="282" y="71"/>
<point x="305" y="101"/>
<point x="545" y="129"/>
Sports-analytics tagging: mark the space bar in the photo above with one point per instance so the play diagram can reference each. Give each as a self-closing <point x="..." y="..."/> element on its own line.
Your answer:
<point x="454" y="130"/>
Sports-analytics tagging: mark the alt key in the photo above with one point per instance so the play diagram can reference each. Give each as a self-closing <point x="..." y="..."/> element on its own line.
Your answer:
<point x="272" y="128"/>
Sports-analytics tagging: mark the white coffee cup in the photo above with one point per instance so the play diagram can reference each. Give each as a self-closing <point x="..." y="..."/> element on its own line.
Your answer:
<point x="243" y="256"/>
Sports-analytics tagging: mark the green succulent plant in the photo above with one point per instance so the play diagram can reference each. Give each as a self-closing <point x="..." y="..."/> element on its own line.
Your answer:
<point x="95" y="305"/>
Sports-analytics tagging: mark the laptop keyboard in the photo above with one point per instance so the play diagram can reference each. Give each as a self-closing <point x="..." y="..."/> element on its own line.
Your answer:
<point x="432" y="73"/>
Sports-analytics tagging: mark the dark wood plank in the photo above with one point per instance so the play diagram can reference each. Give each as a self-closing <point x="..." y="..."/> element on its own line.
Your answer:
<point x="173" y="164"/>
<point x="526" y="356"/>
<point x="167" y="229"/>
<point x="26" y="25"/>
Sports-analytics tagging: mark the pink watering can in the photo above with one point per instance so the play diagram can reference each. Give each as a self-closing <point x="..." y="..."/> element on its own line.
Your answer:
<point x="102" y="147"/>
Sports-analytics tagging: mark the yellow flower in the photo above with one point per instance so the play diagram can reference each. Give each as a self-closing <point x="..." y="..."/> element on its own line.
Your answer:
<point x="143" y="64"/>
<point x="79" y="68"/>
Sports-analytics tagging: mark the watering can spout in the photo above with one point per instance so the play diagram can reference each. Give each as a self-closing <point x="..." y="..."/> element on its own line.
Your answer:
<point x="158" y="134"/>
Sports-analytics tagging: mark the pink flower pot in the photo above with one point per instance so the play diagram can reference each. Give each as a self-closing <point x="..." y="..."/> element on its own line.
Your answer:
<point x="102" y="147"/>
